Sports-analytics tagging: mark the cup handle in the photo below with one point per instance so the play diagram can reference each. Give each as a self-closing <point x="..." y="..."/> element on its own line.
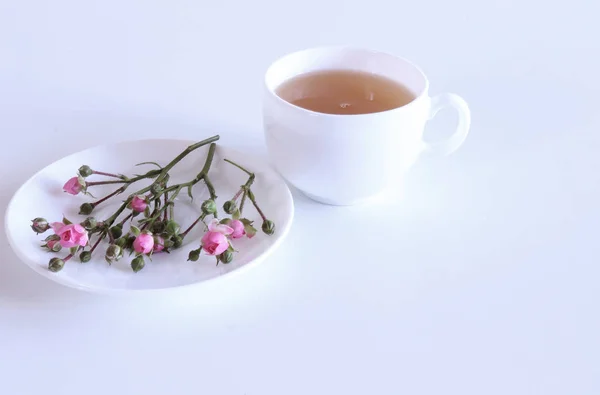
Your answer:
<point x="462" y="129"/>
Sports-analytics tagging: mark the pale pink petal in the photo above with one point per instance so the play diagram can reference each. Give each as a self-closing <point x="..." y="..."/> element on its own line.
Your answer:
<point x="57" y="226"/>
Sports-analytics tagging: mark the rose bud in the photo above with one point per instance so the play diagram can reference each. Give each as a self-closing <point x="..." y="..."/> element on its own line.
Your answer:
<point x="74" y="185"/>
<point x="194" y="255"/>
<point x="226" y="256"/>
<point x="86" y="208"/>
<point x="168" y="243"/>
<point x="121" y="242"/>
<point x="158" y="227"/>
<point x="85" y="171"/>
<point x="159" y="244"/>
<point x="209" y="207"/>
<point x="238" y="228"/>
<point x="229" y="206"/>
<point x="85" y="256"/>
<point x="53" y="245"/>
<point x="39" y="225"/>
<point x="214" y="243"/>
<point x="139" y="204"/>
<point x="137" y="264"/>
<point x="56" y="265"/>
<point x="177" y="241"/>
<point x="172" y="228"/>
<point x="113" y="253"/>
<point x="116" y="231"/>
<point x="268" y="227"/>
<point x="89" y="223"/>
<point x="144" y="243"/>
<point x="130" y="241"/>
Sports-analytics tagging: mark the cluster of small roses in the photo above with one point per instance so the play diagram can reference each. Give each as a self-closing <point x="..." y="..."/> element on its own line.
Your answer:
<point x="157" y="231"/>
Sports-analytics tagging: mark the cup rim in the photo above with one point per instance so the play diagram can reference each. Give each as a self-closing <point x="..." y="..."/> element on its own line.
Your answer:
<point x="417" y="98"/>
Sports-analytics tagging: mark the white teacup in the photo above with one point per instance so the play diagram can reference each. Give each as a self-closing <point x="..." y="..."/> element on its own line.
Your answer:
<point x="347" y="159"/>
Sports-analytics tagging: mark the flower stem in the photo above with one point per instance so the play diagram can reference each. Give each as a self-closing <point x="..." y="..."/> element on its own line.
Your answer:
<point x="105" y="198"/>
<point x="253" y="200"/>
<point x="177" y="188"/>
<point x="243" y="201"/>
<point x="210" y="187"/>
<point x="166" y="196"/>
<point x="239" y="167"/>
<point x="126" y="218"/>
<point x="94" y="183"/>
<point x="168" y="167"/>
<point x="101" y="173"/>
<point x="200" y="218"/>
<point x="100" y="238"/>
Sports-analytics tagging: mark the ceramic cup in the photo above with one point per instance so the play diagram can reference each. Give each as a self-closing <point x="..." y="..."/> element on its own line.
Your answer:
<point x="347" y="159"/>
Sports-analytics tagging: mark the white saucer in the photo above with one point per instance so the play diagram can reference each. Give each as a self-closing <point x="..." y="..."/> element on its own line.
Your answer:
<point x="42" y="196"/>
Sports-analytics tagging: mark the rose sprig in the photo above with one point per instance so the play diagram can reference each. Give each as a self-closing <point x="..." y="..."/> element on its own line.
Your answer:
<point x="157" y="231"/>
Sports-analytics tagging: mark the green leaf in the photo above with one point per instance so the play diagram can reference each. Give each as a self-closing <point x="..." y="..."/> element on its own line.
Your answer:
<point x="190" y="192"/>
<point x="246" y="221"/>
<point x="236" y="214"/>
<point x="135" y="230"/>
<point x="250" y="194"/>
<point x="149" y="163"/>
<point x="66" y="221"/>
<point x="147" y="211"/>
<point x="225" y="221"/>
<point x="73" y="250"/>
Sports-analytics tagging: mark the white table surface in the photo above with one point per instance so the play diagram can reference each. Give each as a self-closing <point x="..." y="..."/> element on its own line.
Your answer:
<point x="489" y="282"/>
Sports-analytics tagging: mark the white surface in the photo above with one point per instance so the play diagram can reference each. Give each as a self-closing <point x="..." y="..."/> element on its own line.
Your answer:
<point x="483" y="279"/>
<point x="345" y="160"/>
<point x="163" y="271"/>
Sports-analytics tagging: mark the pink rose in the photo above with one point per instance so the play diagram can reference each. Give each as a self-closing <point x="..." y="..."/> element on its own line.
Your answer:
<point x="70" y="235"/>
<point x="238" y="229"/>
<point x="159" y="244"/>
<point x="73" y="186"/>
<point x="144" y="243"/>
<point x="214" y="242"/>
<point x="139" y="204"/>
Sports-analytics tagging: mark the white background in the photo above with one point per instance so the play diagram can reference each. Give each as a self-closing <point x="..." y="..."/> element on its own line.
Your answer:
<point x="482" y="279"/>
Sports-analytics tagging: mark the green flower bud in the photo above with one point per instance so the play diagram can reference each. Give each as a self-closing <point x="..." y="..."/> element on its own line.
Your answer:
<point x="53" y="245"/>
<point x="156" y="189"/>
<point x="168" y="243"/>
<point x="85" y="256"/>
<point x="172" y="228"/>
<point x="86" y="208"/>
<point x="121" y="242"/>
<point x="137" y="264"/>
<point x="229" y="206"/>
<point x="194" y="255"/>
<point x="209" y="207"/>
<point x="85" y="171"/>
<point x="226" y="256"/>
<point x="39" y="225"/>
<point x="129" y="244"/>
<point x="177" y="241"/>
<point x="89" y="223"/>
<point x="116" y="231"/>
<point x="113" y="252"/>
<point x="56" y="265"/>
<point x="268" y="227"/>
<point x="158" y="227"/>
